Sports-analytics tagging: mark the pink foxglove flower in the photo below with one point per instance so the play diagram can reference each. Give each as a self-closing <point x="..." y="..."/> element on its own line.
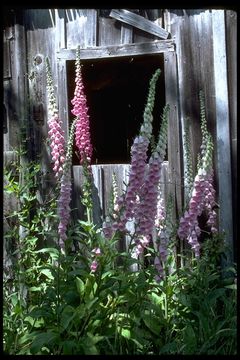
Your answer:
<point x="80" y="110"/>
<point x="202" y="198"/>
<point x="56" y="133"/>
<point x="96" y="251"/>
<point x="146" y="211"/>
<point x="94" y="266"/>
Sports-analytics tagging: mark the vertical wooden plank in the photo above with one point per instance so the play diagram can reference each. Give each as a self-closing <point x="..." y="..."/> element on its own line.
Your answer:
<point x="81" y="27"/>
<point x="109" y="33"/>
<point x="126" y="34"/>
<point x="231" y="42"/>
<point x="60" y="28"/>
<point x="174" y="128"/>
<point x="222" y="127"/>
<point x="62" y="92"/>
<point x="174" y="140"/>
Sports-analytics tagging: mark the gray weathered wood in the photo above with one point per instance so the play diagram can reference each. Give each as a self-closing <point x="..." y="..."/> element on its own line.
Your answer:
<point x="156" y="47"/>
<point x="231" y="42"/>
<point x="222" y="126"/>
<point x="139" y="22"/>
<point x="6" y="59"/>
<point x="81" y="27"/>
<point x="62" y="92"/>
<point x="174" y="129"/>
<point x="60" y="41"/>
<point x="126" y="34"/>
<point x="174" y="139"/>
<point x="108" y="33"/>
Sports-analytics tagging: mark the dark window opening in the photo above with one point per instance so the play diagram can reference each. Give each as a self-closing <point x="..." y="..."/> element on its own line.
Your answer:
<point x="116" y="91"/>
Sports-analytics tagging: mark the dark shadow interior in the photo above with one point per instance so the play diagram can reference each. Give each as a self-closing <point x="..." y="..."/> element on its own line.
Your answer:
<point x="116" y="91"/>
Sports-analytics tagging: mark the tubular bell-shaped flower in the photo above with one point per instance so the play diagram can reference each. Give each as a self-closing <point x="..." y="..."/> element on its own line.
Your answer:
<point x="65" y="191"/>
<point x="189" y="228"/>
<point x="80" y="110"/>
<point x="146" y="211"/>
<point x="203" y="193"/>
<point x="55" y="133"/>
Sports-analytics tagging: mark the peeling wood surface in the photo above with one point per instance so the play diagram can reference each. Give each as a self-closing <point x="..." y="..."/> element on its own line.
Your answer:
<point x="126" y="34"/>
<point x="109" y="33"/>
<point x="222" y="125"/>
<point x="231" y="43"/>
<point x="81" y="27"/>
<point x="174" y="131"/>
<point x="139" y="22"/>
<point x="156" y="47"/>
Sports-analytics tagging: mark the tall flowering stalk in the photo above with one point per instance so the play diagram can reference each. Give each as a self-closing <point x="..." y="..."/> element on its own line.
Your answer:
<point x="80" y="110"/>
<point x="56" y="132"/>
<point x="188" y="171"/>
<point x="138" y="161"/>
<point x="65" y="191"/>
<point x="146" y="210"/>
<point x="203" y="194"/>
<point x="82" y="136"/>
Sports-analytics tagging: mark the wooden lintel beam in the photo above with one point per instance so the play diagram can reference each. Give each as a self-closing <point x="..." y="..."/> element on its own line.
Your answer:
<point x="98" y="52"/>
<point x="139" y="22"/>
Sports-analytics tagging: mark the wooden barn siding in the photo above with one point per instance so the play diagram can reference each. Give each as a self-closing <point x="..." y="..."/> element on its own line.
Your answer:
<point x="231" y="43"/>
<point x="223" y="145"/>
<point x="198" y="69"/>
<point x="48" y="32"/>
<point x="192" y="31"/>
<point x="15" y="99"/>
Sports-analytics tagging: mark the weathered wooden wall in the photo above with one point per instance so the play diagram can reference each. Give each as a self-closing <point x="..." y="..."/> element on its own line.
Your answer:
<point x="190" y="55"/>
<point x="206" y="60"/>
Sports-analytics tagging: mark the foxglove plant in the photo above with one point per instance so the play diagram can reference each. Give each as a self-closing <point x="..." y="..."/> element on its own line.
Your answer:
<point x="188" y="171"/>
<point x="146" y="210"/>
<point x="80" y="110"/>
<point x="127" y="203"/>
<point x="203" y="193"/>
<point x="96" y="252"/>
<point x="56" y="132"/>
<point x="65" y="191"/>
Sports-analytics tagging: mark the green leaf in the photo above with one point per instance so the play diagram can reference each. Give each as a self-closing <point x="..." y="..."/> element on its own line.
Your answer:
<point x="47" y="273"/>
<point x="43" y="339"/>
<point x="152" y="323"/>
<point x="90" y="303"/>
<point x="35" y="288"/>
<point x="67" y="316"/>
<point x="156" y="299"/>
<point x="14" y="299"/>
<point x="54" y="253"/>
<point x="94" y="338"/>
<point x="233" y="286"/>
<point x="80" y="286"/>
<point x="126" y="333"/>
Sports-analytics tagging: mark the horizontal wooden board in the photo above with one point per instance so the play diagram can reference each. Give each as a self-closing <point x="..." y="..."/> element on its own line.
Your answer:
<point x="139" y="22"/>
<point x="155" y="47"/>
